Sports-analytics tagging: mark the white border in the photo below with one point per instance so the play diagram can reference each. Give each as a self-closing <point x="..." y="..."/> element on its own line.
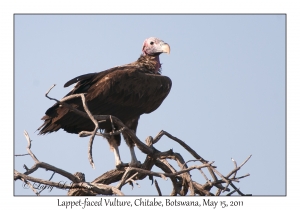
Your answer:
<point x="8" y="8"/>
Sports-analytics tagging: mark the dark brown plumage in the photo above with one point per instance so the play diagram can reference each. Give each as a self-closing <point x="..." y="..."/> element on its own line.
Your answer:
<point x="125" y="92"/>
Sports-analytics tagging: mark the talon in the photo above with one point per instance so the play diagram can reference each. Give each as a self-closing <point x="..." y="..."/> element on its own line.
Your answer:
<point x="121" y="165"/>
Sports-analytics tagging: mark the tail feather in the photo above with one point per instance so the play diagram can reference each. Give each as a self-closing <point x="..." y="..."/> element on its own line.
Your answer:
<point x="48" y="126"/>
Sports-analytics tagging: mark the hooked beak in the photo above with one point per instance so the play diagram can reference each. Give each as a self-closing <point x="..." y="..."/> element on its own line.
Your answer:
<point x="166" y="48"/>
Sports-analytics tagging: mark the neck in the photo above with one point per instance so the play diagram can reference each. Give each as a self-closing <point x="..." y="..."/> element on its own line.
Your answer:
<point x="157" y="65"/>
<point x="151" y="63"/>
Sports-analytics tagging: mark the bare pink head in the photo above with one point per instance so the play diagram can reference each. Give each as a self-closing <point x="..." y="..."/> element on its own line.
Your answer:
<point x="154" y="46"/>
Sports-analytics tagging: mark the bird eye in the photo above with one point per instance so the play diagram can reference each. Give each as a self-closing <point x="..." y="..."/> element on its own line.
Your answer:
<point x="151" y="43"/>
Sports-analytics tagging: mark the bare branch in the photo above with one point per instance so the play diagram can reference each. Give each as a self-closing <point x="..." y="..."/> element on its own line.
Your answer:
<point x="113" y="190"/>
<point x="44" y="187"/>
<point x="237" y="190"/>
<point x="181" y="180"/>
<point x="238" y="168"/>
<point x="22" y="155"/>
<point x="30" y="185"/>
<point x="183" y="144"/>
<point x="112" y="124"/>
<point x="235" y="165"/>
<point x="98" y="188"/>
<point x="219" y="191"/>
<point x="188" y="148"/>
<point x="49" y="91"/>
<point x="131" y="178"/>
<point x="229" y="194"/>
<point x="124" y="177"/>
<point x="234" y="174"/>
<point x="205" y="177"/>
<point x="157" y="188"/>
<point x="29" y="147"/>
<point x="168" y="174"/>
<point x="19" y="175"/>
<point x="25" y="167"/>
<point x="237" y="178"/>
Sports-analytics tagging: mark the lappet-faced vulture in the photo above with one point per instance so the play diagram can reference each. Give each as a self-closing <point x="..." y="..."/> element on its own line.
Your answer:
<point x="125" y="92"/>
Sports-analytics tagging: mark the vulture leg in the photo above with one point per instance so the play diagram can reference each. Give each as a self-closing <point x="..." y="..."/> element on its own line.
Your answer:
<point x="134" y="161"/>
<point x="114" y="143"/>
<point x="132" y="124"/>
<point x="118" y="161"/>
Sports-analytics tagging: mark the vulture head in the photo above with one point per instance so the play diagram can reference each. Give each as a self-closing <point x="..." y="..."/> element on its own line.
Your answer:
<point x="154" y="46"/>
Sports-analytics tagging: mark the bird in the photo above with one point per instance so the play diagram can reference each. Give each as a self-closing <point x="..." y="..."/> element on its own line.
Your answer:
<point x="126" y="92"/>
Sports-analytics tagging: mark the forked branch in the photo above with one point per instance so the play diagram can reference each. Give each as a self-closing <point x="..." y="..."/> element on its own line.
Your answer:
<point x="181" y="179"/>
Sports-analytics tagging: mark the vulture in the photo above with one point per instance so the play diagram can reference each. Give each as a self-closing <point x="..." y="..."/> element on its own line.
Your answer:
<point x="126" y="92"/>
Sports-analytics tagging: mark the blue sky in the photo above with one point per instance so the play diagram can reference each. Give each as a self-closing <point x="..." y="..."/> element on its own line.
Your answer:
<point x="227" y="99"/>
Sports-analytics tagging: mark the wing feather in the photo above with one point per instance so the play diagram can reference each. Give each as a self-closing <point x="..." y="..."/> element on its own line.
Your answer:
<point x="123" y="92"/>
<point x="80" y="78"/>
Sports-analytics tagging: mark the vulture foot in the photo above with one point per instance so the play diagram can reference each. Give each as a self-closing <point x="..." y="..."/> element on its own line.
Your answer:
<point x="121" y="165"/>
<point x="136" y="164"/>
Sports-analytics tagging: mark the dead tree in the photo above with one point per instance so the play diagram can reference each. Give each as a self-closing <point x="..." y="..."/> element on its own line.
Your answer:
<point x="181" y="179"/>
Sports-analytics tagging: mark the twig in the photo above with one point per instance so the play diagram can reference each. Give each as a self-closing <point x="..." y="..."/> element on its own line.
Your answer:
<point x="113" y="190"/>
<point x="29" y="146"/>
<point x="90" y="147"/>
<point x="85" y="106"/>
<point x="200" y="189"/>
<point x="96" y="118"/>
<point x="238" y="168"/>
<point x="235" y="165"/>
<point x="131" y="178"/>
<point x="112" y="124"/>
<point x="132" y="181"/>
<point x="49" y="180"/>
<point x="219" y="191"/>
<point x="187" y="180"/>
<point x="157" y="188"/>
<point x="168" y="168"/>
<point x="191" y="161"/>
<point x="205" y="177"/>
<point x="234" y="174"/>
<point x="67" y="105"/>
<point x="30" y="185"/>
<point x="88" y="133"/>
<point x="222" y="177"/>
<point x="52" y="168"/>
<point x="183" y="144"/>
<point x="18" y="175"/>
<point x="22" y="155"/>
<point x="25" y="167"/>
<point x="46" y="166"/>
<point x="143" y="171"/>
<point x="99" y="188"/>
<point x="229" y="194"/>
<point x="188" y="148"/>
<point x="240" y="177"/>
<point x="49" y="91"/>
<point x="124" y="177"/>
<point x="199" y="170"/>
<point x="181" y="180"/>
<point x="182" y="176"/>
<point x="237" y="190"/>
